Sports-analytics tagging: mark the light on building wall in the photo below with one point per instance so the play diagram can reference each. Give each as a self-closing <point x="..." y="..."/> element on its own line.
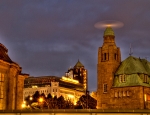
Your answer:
<point x="34" y="86"/>
<point x="145" y="97"/>
<point x="70" y="96"/>
<point x="69" y="80"/>
<point x="23" y="104"/>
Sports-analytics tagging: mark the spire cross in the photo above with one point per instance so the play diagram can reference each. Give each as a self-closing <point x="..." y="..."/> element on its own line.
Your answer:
<point x="130" y="53"/>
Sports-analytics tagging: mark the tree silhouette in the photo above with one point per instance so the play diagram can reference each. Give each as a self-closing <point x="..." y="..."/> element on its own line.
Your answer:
<point x="86" y="102"/>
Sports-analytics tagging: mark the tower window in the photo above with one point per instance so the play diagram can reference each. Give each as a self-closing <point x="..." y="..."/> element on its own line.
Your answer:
<point x="104" y="88"/>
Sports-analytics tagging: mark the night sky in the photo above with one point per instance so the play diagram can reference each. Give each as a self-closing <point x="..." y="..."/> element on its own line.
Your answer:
<point x="46" y="37"/>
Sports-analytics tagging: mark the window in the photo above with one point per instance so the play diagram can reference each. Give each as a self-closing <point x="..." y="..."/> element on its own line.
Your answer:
<point x="116" y="94"/>
<point x="105" y="88"/>
<point x="1" y="90"/>
<point x="145" y="78"/>
<point x="122" y="78"/>
<point x="124" y="93"/>
<point x="128" y="93"/>
<point x="104" y="56"/>
<point x="120" y="93"/>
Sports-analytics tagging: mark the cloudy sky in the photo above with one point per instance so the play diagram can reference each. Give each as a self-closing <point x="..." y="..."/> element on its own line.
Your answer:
<point x="46" y="37"/>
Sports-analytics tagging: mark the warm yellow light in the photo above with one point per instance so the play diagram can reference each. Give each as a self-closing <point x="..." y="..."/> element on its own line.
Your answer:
<point x="23" y="105"/>
<point x="69" y="80"/>
<point x="108" y="25"/>
<point x="70" y="96"/>
<point x="34" y="86"/>
<point x="145" y="97"/>
<point x="31" y="98"/>
<point x="41" y="99"/>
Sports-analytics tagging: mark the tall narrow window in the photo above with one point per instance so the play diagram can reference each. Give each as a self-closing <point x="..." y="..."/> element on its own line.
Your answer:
<point x="105" y="88"/>
<point x="128" y="93"/>
<point x="145" y="78"/>
<point x="116" y="94"/>
<point x="124" y="93"/>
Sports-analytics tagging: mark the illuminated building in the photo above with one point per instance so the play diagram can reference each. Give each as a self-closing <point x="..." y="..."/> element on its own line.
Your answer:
<point x="121" y="85"/>
<point x="71" y="86"/>
<point x="79" y="73"/>
<point x="11" y="82"/>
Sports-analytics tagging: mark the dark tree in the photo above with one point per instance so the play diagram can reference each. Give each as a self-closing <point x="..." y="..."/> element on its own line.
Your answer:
<point x="36" y="96"/>
<point x="86" y="102"/>
<point x="49" y="96"/>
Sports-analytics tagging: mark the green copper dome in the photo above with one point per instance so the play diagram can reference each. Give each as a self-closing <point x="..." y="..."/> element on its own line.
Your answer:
<point x="109" y="31"/>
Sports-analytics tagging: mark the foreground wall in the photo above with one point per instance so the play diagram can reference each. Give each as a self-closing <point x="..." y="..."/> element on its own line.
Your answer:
<point x="76" y="112"/>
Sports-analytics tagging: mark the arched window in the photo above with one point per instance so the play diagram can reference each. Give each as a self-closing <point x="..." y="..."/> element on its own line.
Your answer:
<point x="124" y="93"/>
<point x="116" y="94"/>
<point x="120" y="93"/>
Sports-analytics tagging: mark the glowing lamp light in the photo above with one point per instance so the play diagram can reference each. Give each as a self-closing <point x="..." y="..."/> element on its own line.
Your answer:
<point x="23" y="104"/>
<point x="41" y="99"/>
<point x="70" y="96"/>
<point x="31" y="98"/>
<point x="108" y="23"/>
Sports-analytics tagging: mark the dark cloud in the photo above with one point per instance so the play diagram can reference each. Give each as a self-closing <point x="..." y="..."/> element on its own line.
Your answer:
<point x="46" y="37"/>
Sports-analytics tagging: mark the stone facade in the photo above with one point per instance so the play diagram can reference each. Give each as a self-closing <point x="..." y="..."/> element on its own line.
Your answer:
<point x="71" y="86"/>
<point x="11" y="82"/>
<point x="134" y="94"/>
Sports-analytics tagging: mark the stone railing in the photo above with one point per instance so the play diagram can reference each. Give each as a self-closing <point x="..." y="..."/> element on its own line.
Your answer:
<point x="75" y="112"/>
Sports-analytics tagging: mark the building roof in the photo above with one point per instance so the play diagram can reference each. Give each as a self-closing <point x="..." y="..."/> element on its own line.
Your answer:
<point x="133" y="65"/>
<point x="134" y="70"/>
<point x="79" y="64"/>
<point x="131" y="80"/>
<point x="46" y="80"/>
<point x="109" y="31"/>
<point x="3" y="54"/>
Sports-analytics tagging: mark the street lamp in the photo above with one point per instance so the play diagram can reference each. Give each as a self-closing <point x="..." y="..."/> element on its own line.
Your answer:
<point x="23" y="104"/>
<point x="31" y="98"/>
<point x="41" y="100"/>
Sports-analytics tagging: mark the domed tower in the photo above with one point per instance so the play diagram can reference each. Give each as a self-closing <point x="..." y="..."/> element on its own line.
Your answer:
<point x="109" y="59"/>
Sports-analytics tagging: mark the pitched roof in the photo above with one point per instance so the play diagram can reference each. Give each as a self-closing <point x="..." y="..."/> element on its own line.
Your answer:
<point x="133" y="65"/>
<point x="79" y="64"/>
<point x="134" y="70"/>
<point x="3" y="54"/>
<point x="131" y="80"/>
